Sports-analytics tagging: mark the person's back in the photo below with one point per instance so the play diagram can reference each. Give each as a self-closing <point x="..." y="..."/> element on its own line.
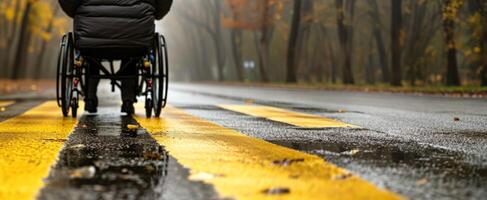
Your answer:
<point x="114" y="27"/>
<point x="115" y="23"/>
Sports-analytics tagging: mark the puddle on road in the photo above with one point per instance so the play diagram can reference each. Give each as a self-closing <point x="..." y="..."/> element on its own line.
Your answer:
<point x="103" y="159"/>
<point x="416" y="171"/>
<point x="438" y="161"/>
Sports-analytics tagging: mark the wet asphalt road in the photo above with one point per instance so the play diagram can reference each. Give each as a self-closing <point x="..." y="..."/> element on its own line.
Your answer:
<point x="104" y="159"/>
<point x="422" y="147"/>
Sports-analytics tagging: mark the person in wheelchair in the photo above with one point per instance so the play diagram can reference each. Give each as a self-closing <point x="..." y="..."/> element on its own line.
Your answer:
<point x="114" y="29"/>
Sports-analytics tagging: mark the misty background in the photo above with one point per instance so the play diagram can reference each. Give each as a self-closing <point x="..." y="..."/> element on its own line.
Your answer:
<point x="397" y="42"/>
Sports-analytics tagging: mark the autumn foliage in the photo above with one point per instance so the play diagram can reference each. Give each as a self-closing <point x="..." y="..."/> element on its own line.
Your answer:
<point x="27" y="28"/>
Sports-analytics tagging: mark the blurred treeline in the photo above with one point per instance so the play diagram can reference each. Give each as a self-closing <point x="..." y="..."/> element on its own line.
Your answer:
<point x="30" y="31"/>
<point x="401" y="42"/>
<point x="412" y="42"/>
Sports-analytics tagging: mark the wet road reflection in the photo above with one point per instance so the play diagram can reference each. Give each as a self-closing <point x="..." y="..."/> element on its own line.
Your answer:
<point x="415" y="169"/>
<point x="104" y="159"/>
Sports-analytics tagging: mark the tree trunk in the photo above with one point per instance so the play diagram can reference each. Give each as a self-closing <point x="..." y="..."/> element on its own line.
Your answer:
<point x="396" y="24"/>
<point x="236" y="36"/>
<point x="317" y="66"/>
<point x="370" y="69"/>
<point x="483" y="43"/>
<point x="263" y="59"/>
<point x="3" y="41"/>
<point x="345" y="37"/>
<point x="24" y="40"/>
<point x="264" y="42"/>
<point x="333" y="64"/>
<point x="374" y="13"/>
<point x="303" y="53"/>
<point x="293" y="38"/>
<point x="483" y="70"/>
<point x="382" y="55"/>
<point x="12" y="32"/>
<point x="207" y="75"/>
<point x="452" y="77"/>
<point x="40" y="62"/>
<point x="473" y="8"/>
<point x="218" y="40"/>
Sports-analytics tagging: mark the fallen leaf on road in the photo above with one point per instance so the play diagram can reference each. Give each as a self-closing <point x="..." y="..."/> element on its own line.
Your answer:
<point x="351" y="152"/>
<point x="421" y="182"/>
<point x="249" y="101"/>
<point x="77" y="146"/>
<point x="83" y="172"/>
<point x="342" y="111"/>
<point x="456" y="119"/>
<point x="149" y="168"/>
<point x="152" y="155"/>
<point x="132" y="126"/>
<point x="99" y="188"/>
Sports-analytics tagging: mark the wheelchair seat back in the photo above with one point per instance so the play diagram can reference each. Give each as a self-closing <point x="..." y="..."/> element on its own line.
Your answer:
<point x="114" y="53"/>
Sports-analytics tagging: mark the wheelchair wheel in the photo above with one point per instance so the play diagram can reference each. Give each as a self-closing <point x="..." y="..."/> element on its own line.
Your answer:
<point x="65" y="75"/>
<point x="160" y="75"/>
<point x="148" y="107"/>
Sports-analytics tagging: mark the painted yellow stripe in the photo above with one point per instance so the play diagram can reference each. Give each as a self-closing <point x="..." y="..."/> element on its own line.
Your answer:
<point x="243" y="167"/>
<point x="4" y="104"/>
<point x="288" y="117"/>
<point x="29" y="145"/>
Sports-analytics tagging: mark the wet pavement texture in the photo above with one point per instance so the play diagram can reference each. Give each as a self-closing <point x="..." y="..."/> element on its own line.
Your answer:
<point x="109" y="156"/>
<point x="420" y="147"/>
<point x="18" y="107"/>
<point x="436" y="162"/>
<point x="103" y="159"/>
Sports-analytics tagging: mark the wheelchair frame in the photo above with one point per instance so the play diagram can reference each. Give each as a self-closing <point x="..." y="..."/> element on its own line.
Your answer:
<point x="152" y="75"/>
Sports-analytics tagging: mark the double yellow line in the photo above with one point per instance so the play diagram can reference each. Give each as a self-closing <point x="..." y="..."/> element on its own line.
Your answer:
<point x="238" y="166"/>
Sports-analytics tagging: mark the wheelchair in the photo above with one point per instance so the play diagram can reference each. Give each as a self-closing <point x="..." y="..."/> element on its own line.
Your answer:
<point x="152" y="75"/>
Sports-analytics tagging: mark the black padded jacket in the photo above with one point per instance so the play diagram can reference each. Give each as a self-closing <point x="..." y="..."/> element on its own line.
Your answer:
<point x="115" y="23"/>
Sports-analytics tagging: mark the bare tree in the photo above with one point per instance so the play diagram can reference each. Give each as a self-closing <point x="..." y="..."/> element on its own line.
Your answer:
<point x="377" y="32"/>
<point x="483" y="44"/>
<point x="212" y="26"/>
<point x="450" y="13"/>
<point x="236" y="41"/>
<point x="20" y="60"/>
<point x="345" y="34"/>
<point x="396" y="24"/>
<point x="418" y="34"/>
<point x="293" y="38"/>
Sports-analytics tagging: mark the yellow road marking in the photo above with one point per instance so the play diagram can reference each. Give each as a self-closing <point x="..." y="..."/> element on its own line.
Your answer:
<point x="288" y="117"/>
<point x="4" y="104"/>
<point x="243" y="167"/>
<point x="29" y="145"/>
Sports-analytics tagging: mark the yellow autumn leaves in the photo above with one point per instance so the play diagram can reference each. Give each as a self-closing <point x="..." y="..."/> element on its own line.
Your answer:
<point x="43" y="19"/>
